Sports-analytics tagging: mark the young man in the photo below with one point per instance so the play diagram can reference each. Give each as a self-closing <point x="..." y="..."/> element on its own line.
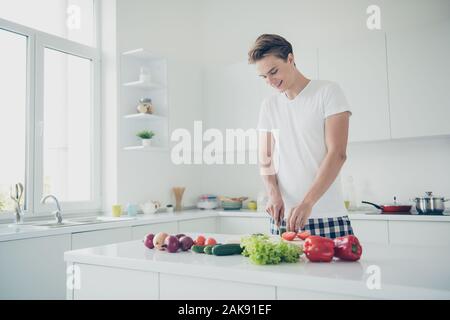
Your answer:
<point x="311" y="119"/>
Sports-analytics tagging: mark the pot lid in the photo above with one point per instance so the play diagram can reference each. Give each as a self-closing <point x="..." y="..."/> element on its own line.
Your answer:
<point x="429" y="195"/>
<point x="396" y="203"/>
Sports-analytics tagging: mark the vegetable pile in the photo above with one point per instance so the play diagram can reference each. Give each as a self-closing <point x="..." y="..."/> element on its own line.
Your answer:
<point x="262" y="250"/>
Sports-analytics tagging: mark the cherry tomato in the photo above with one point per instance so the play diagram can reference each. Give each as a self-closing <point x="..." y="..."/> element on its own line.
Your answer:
<point x="200" y="241"/>
<point x="289" y="236"/>
<point x="210" y="242"/>
<point x="303" y="235"/>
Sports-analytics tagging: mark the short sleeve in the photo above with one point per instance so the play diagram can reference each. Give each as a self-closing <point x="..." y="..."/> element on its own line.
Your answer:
<point x="264" y="122"/>
<point x="335" y="101"/>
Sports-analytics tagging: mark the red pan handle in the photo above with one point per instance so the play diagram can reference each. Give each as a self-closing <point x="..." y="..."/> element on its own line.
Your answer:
<point x="375" y="205"/>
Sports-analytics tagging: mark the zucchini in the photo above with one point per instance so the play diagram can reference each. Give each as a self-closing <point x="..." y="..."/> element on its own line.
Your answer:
<point x="227" y="249"/>
<point x="208" y="249"/>
<point x="198" y="249"/>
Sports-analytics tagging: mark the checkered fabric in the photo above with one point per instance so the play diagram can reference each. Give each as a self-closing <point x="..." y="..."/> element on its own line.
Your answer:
<point x="324" y="227"/>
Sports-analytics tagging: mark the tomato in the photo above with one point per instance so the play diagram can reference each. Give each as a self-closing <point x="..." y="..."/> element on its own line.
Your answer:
<point x="200" y="241"/>
<point x="210" y="242"/>
<point x="303" y="235"/>
<point x="289" y="236"/>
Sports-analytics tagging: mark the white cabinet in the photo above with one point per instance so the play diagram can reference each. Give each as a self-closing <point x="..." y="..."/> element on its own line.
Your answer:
<point x="139" y="232"/>
<point x="34" y="268"/>
<point x="144" y="76"/>
<point x="176" y="287"/>
<point x="100" y="237"/>
<point x="359" y="67"/>
<point x="414" y="233"/>
<point x="203" y="225"/>
<point x="243" y="225"/>
<point x="103" y="283"/>
<point x="371" y="231"/>
<point x="419" y="69"/>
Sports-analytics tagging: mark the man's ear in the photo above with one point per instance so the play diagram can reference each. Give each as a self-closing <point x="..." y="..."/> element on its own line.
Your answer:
<point x="290" y="58"/>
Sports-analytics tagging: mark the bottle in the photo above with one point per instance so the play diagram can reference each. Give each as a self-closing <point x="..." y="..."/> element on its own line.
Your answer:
<point x="350" y="194"/>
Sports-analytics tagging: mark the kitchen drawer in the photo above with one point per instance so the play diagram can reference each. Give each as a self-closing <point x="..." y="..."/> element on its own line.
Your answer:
<point x="139" y="232"/>
<point x="370" y="231"/>
<point x="243" y="225"/>
<point x="100" y="237"/>
<point x="203" y="225"/>
<point x="419" y="233"/>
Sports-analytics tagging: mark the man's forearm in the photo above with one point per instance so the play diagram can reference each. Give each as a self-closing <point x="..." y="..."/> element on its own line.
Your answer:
<point x="328" y="171"/>
<point x="271" y="184"/>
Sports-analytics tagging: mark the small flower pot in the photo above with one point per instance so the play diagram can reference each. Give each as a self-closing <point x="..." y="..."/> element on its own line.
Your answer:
<point x="146" y="142"/>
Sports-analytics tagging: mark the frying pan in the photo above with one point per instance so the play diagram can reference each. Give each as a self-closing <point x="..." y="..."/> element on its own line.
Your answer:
<point x="391" y="208"/>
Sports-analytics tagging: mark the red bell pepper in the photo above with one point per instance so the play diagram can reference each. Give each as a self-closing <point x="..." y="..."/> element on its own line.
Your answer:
<point x="347" y="248"/>
<point x="319" y="249"/>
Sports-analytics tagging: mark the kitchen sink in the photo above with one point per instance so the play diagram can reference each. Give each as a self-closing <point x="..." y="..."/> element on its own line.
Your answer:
<point x="56" y="224"/>
<point x="16" y="228"/>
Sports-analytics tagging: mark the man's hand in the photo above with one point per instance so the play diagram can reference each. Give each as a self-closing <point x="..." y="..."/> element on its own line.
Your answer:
<point x="275" y="207"/>
<point x="299" y="216"/>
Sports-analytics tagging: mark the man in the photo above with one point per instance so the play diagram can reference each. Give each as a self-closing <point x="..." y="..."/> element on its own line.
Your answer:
<point x="310" y="119"/>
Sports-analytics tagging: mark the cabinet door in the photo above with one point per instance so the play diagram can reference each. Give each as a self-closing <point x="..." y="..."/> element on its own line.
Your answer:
<point x="243" y="225"/>
<point x="418" y="233"/>
<point x="105" y="283"/>
<point x="34" y="268"/>
<point x="100" y="237"/>
<point x="359" y="67"/>
<point x="419" y="69"/>
<point x="139" y="232"/>
<point x="204" y="225"/>
<point x="371" y="231"/>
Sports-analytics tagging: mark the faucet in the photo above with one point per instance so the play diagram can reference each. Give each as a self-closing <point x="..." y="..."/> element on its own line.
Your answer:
<point x="17" y="197"/>
<point x="57" y="213"/>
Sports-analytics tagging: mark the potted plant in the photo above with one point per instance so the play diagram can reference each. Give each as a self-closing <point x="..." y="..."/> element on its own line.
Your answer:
<point x="146" y="137"/>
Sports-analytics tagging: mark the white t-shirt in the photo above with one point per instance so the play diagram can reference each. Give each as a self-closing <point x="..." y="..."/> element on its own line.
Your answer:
<point x="300" y="143"/>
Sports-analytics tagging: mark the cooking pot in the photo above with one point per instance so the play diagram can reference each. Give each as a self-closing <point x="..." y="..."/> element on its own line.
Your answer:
<point x="392" y="208"/>
<point x="430" y="204"/>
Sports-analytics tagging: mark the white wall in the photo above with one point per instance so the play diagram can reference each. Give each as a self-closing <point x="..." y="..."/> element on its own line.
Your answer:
<point x="232" y="94"/>
<point x="206" y="43"/>
<point x="169" y="28"/>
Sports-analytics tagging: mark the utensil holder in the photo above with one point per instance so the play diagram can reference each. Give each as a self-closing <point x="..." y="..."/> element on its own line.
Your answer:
<point x="178" y="192"/>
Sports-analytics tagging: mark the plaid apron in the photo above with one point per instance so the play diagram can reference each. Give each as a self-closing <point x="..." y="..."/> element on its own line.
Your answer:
<point x="324" y="227"/>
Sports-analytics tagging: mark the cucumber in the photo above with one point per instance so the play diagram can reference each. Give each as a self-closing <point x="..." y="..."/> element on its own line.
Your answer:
<point x="198" y="249"/>
<point x="227" y="249"/>
<point x="208" y="249"/>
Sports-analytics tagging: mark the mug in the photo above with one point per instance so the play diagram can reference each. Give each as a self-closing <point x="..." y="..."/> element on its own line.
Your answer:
<point x="132" y="209"/>
<point x="116" y="210"/>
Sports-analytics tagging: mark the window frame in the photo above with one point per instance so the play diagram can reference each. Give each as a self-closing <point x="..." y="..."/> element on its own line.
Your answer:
<point x="37" y="41"/>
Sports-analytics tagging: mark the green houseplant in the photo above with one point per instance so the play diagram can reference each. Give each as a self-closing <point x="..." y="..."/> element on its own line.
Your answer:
<point x="146" y="136"/>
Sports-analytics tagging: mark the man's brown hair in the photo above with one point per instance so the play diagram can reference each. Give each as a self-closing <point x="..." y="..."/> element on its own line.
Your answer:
<point x="269" y="44"/>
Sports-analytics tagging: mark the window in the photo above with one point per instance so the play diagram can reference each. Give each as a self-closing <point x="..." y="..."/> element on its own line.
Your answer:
<point x="68" y="19"/>
<point x="13" y="84"/>
<point x="49" y="116"/>
<point x="67" y="126"/>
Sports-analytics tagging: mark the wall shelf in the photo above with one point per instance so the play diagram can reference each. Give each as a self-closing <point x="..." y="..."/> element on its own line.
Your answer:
<point x="143" y="85"/>
<point x="149" y="148"/>
<point x="145" y="116"/>
<point x="155" y="88"/>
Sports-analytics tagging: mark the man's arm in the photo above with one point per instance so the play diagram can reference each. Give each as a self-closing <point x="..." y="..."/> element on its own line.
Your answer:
<point x="336" y="136"/>
<point x="275" y="206"/>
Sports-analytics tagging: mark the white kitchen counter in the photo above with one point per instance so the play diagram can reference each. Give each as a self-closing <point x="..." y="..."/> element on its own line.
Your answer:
<point x="7" y="234"/>
<point x="405" y="273"/>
